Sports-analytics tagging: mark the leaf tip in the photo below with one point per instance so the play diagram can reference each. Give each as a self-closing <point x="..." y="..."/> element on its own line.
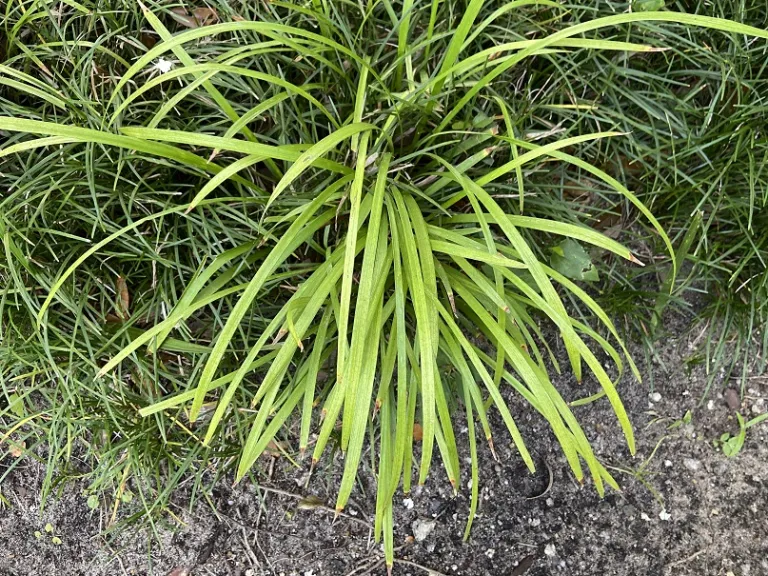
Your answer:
<point x="493" y="450"/>
<point x="634" y="260"/>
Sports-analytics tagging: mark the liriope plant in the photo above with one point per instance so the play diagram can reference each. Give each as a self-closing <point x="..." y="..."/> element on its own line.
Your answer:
<point x="411" y="265"/>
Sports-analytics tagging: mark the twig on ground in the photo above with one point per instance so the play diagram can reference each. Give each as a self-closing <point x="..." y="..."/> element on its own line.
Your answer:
<point x="688" y="559"/>
<point x="318" y="507"/>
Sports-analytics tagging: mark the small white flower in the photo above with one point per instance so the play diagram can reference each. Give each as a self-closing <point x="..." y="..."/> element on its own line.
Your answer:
<point x="664" y="515"/>
<point x="163" y="65"/>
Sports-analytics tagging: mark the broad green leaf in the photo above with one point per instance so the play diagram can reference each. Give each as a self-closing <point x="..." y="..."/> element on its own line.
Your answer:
<point x="16" y="405"/>
<point x="198" y="282"/>
<point x="571" y="260"/>
<point x="254" y="113"/>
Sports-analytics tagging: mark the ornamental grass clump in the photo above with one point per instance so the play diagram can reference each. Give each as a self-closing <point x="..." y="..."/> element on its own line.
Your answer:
<point x="303" y="215"/>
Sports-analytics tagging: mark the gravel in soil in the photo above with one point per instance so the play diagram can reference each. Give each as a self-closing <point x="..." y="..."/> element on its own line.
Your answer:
<point x="684" y="508"/>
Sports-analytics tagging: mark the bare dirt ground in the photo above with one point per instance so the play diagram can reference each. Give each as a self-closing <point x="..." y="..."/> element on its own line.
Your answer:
<point x="684" y="509"/>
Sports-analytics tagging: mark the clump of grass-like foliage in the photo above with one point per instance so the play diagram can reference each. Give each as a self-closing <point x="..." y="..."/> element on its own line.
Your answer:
<point x="696" y="157"/>
<point x="283" y="211"/>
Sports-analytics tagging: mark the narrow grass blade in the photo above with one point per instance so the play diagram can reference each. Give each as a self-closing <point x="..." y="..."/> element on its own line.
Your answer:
<point x="316" y="151"/>
<point x="424" y="329"/>
<point x="359" y="354"/>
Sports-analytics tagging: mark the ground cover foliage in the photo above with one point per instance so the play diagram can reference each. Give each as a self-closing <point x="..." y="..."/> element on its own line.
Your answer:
<point x="229" y="228"/>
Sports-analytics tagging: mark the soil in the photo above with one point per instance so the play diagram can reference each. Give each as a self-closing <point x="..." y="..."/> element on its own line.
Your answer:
<point x="684" y="508"/>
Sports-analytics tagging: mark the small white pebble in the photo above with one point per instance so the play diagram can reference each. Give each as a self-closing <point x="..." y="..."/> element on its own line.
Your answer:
<point x="469" y="484"/>
<point x="490" y="552"/>
<point x="645" y="517"/>
<point x="422" y="529"/>
<point x="454" y="567"/>
<point x="668" y="463"/>
<point x="692" y="464"/>
<point x="550" y="550"/>
<point x="352" y="512"/>
<point x="711" y="405"/>
<point x="550" y="502"/>
<point x="535" y="522"/>
<point x="408" y="503"/>
<point x="665" y="516"/>
<point x="655" y="397"/>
